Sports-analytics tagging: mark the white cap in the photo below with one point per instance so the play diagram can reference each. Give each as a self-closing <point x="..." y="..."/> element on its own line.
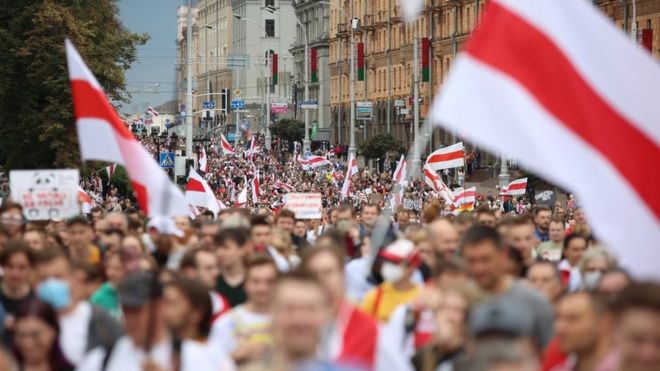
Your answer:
<point x="401" y="250"/>
<point x="164" y="225"/>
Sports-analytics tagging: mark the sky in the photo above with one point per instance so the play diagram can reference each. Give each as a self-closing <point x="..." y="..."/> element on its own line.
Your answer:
<point x="153" y="74"/>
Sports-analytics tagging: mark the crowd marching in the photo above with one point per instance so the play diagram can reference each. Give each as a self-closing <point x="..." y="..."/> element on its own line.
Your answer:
<point x="250" y="286"/>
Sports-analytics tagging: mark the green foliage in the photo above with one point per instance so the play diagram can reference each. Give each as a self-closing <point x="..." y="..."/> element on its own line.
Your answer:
<point x="379" y="145"/>
<point x="291" y="130"/>
<point x="36" y="113"/>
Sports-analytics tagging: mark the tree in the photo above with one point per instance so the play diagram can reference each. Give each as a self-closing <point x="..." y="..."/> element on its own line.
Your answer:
<point x="379" y="145"/>
<point x="36" y="112"/>
<point x="290" y="130"/>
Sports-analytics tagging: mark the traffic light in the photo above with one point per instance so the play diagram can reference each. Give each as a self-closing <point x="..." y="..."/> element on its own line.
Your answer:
<point x="225" y="100"/>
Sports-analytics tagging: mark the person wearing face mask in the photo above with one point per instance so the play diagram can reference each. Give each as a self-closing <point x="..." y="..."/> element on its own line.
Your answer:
<point x="593" y="264"/>
<point x="83" y="327"/>
<point x="400" y="261"/>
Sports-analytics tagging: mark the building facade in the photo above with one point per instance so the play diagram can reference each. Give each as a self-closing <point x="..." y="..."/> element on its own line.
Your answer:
<point x="215" y="24"/>
<point x="315" y="17"/>
<point x="388" y="58"/>
<point x="256" y="30"/>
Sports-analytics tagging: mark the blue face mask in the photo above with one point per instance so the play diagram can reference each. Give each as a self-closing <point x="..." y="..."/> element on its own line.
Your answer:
<point x="55" y="292"/>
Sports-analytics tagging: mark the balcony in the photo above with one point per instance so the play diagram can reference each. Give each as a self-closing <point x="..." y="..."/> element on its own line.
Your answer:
<point x="369" y="22"/>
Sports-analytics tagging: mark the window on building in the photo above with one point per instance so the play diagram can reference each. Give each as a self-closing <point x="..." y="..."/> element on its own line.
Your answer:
<point x="648" y="23"/>
<point x="270" y="3"/>
<point x="270" y="27"/>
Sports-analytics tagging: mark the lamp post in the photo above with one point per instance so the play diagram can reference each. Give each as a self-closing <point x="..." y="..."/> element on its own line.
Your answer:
<point x="269" y="59"/>
<point x="189" y="93"/>
<point x="306" y="142"/>
<point x="351" y="146"/>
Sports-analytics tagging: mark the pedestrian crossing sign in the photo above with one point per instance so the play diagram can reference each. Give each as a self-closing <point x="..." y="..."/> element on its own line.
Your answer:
<point x="167" y="160"/>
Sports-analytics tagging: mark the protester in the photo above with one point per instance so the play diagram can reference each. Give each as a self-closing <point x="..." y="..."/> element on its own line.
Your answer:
<point x="542" y="216"/>
<point x="546" y="279"/>
<point x="16" y="261"/>
<point x="575" y="245"/>
<point x="552" y="248"/>
<point x="231" y="247"/>
<point x="36" y="338"/>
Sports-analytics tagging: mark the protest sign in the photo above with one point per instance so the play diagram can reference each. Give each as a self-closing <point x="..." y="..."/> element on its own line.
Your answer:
<point x="46" y="194"/>
<point x="304" y="205"/>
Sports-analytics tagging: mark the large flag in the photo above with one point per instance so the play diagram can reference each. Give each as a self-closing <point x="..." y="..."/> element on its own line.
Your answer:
<point x="199" y="193"/>
<point x="152" y="111"/>
<point x="399" y="177"/>
<point x="104" y="137"/>
<point x="312" y="162"/>
<point x="435" y="182"/>
<point x="110" y="170"/>
<point x="542" y="82"/>
<point x="226" y="147"/>
<point x="285" y="186"/>
<point x="241" y="200"/>
<point x="203" y="161"/>
<point x="351" y="170"/>
<point x="447" y="157"/>
<point x="516" y="188"/>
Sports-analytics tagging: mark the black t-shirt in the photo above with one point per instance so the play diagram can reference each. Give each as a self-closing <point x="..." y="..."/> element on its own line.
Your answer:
<point x="11" y="305"/>
<point x="234" y="294"/>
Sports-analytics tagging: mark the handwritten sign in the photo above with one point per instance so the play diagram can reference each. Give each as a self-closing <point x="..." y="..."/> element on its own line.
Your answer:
<point x="304" y="205"/>
<point x="46" y="194"/>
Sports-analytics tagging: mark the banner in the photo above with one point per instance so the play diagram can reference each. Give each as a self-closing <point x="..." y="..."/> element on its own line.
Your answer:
<point x="279" y="106"/>
<point x="304" y="205"/>
<point x="46" y="194"/>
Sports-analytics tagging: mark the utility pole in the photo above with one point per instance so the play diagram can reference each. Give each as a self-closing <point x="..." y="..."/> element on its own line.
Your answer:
<point x="351" y="147"/>
<point x="189" y="94"/>
<point x="269" y="73"/>
<point x="340" y="63"/>
<point x="416" y="162"/>
<point x="633" y="22"/>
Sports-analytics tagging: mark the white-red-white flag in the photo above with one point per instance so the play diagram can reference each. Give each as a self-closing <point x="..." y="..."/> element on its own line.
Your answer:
<point x="241" y="200"/>
<point x="435" y="182"/>
<point x="86" y="202"/>
<point x="447" y="157"/>
<point x="464" y="199"/>
<point x="203" y="161"/>
<point x="285" y="186"/>
<point x="152" y="111"/>
<point x="351" y="170"/>
<point x="104" y="137"/>
<point x="313" y="162"/>
<point x="542" y="82"/>
<point x="516" y="188"/>
<point x="253" y="148"/>
<point x="199" y="193"/>
<point x="226" y="147"/>
<point x="110" y="170"/>
<point x="255" y="186"/>
<point x="399" y="177"/>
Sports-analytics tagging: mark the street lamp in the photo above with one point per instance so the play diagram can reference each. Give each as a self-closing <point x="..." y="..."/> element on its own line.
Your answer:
<point x="269" y="76"/>
<point x="271" y="9"/>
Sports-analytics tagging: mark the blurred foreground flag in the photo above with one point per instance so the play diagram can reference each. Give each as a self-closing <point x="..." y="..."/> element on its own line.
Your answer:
<point x="104" y="137"/>
<point x="556" y="86"/>
<point x="411" y="9"/>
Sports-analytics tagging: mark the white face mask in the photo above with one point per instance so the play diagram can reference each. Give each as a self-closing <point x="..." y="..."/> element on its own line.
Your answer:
<point x="392" y="272"/>
<point x="591" y="279"/>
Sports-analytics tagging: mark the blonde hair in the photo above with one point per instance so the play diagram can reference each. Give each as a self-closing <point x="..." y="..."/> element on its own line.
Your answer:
<point x="282" y="242"/>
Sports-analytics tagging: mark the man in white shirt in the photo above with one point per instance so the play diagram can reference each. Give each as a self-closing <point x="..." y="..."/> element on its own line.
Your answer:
<point x="82" y="327"/>
<point x="148" y="344"/>
<point x="245" y="331"/>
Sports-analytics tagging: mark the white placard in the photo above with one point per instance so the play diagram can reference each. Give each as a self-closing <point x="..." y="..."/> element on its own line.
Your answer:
<point x="304" y="205"/>
<point x="46" y="194"/>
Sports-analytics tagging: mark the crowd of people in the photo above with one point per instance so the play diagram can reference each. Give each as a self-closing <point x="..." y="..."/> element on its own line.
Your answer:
<point x="256" y="288"/>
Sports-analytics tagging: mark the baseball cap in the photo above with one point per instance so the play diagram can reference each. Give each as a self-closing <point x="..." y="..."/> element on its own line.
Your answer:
<point x="500" y="316"/>
<point x="164" y="225"/>
<point x="399" y="251"/>
<point x="138" y="288"/>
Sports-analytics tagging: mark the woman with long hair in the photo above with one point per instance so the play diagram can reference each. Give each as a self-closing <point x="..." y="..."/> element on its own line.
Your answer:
<point x="36" y="334"/>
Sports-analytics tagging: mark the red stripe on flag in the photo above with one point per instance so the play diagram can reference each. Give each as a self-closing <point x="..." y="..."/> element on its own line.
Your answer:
<point x="516" y="186"/>
<point x="444" y="157"/>
<point x="91" y="103"/>
<point x="195" y="186"/>
<point x="518" y="49"/>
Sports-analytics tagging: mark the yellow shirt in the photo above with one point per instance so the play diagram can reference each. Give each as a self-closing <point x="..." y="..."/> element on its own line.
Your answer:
<point x="390" y="298"/>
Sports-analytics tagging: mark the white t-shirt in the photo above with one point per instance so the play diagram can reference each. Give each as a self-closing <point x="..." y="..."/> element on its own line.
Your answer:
<point x="74" y="328"/>
<point x="195" y="356"/>
<point x="240" y="326"/>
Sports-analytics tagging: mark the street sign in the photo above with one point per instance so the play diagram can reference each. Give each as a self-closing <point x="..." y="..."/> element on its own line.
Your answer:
<point x="208" y="105"/>
<point x="404" y="111"/>
<point x="363" y="110"/>
<point x="167" y="160"/>
<point x="310" y="104"/>
<point x="238" y="104"/>
<point x="399" y="103"/>
<point x="237" y="92"/>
